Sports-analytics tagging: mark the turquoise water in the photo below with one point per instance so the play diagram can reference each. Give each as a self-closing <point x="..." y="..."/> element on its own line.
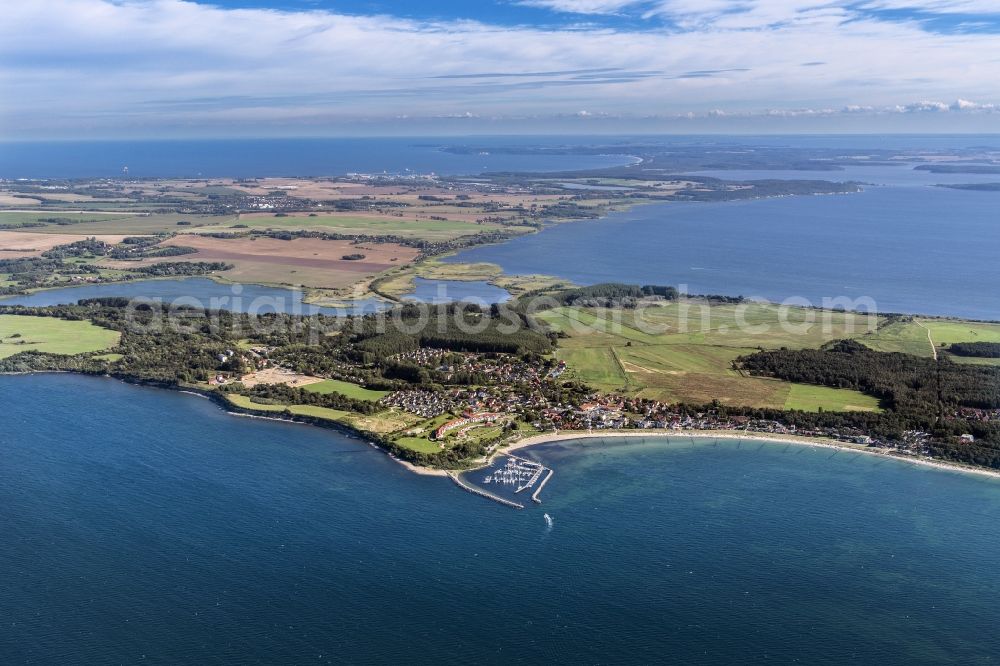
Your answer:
<point x="148" y="526"/>
<point x="910" y="248"/>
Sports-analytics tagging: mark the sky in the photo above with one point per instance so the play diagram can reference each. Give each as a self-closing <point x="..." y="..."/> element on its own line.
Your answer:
<point x="87" y="69"/>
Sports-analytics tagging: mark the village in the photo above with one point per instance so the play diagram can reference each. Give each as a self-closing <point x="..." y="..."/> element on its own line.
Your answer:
<point x="506" y="393"/>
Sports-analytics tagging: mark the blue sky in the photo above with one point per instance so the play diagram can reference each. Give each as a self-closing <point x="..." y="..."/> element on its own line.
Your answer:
<point x="165" y="68"/>
<point x="939" y="17"/>
<point x="488" y="11"/>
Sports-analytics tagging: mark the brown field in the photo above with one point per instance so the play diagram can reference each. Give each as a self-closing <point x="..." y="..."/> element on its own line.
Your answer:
<point x="11" y="200"/>
<point x="306" y="262"/>
<point x="18" y="244"/>
<point x="278" y="376"/>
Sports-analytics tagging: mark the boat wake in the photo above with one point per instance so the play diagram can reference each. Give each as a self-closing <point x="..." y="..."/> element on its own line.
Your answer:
<point x="548" y="523"/>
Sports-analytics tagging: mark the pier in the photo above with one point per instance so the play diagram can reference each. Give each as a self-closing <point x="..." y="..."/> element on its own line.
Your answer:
<point x="482" y="493"/>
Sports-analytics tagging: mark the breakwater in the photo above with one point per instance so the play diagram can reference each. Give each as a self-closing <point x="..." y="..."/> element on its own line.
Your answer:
<point x="535" y="497"/>
<point x="482" y="493"/>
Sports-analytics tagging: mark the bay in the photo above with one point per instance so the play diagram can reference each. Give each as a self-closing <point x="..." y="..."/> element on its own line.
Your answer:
<point x="144" y="525"/>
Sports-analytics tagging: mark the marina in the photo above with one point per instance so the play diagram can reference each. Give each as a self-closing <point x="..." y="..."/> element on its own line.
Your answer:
<point x="507" y="479"/>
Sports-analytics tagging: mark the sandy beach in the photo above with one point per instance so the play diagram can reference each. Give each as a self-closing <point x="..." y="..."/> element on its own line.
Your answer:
<point x="546" y="438"/>
<point x="417" y="469"/>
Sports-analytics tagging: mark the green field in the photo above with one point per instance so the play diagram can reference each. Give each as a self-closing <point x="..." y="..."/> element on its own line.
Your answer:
<point x="406" y="227"/>
<point x="911" y="337"/>
<point x="346" y="388"/>
<point x="974" y="360"/>
<point x="809" y="398"/>
<point x="52" y="336"/>
<point x="16" y="219"/>
<point x="684" y="352"/>
<point x="419" y="444"/>
<point x="903" y="337"/>
<point x="299" y="410"/>
<point x="97" y="224"/>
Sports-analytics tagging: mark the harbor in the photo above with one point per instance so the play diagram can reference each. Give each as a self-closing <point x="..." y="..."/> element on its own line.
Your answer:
<point x="507" y="480"/>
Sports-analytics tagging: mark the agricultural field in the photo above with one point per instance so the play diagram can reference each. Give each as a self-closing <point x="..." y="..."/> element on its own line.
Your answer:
<point x="125" y="223"/>
<point x="807" y="398"/>
<point x="52" y="336"/>
<point x="19" y="218"/>
<point x="902" y="337"/>
<point x="408" y="225"/>
<point x="304" y="262"/>
<point x="346" y="388"/>
<point x="20" y="244"/>
<point x="949" y="331"/>
<point x="920" y="336"/>
<point x="684" y="352"/>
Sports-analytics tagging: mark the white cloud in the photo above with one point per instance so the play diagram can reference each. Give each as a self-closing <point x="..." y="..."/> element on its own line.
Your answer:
<point x="69" y="67"/>
<point x="752" y="14"/>
<point x="582" y="6"/>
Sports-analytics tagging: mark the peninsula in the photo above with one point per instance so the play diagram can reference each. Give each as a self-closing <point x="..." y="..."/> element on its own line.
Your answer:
<point x="447" y="386"/>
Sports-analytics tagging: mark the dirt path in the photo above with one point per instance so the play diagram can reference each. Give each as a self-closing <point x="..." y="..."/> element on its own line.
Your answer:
<point x="930" y="339"/>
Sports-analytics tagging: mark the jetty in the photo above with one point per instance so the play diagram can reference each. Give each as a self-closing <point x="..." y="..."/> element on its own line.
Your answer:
<point x="538" y="491"/>
<point x="482" y="493"/>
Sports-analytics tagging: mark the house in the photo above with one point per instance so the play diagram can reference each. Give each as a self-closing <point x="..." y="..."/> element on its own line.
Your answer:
<point x="470" y="419"/>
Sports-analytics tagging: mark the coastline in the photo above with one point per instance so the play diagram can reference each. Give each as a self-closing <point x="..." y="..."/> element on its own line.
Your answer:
<point x="815" y="442"/>
<point x="545" y="438"/>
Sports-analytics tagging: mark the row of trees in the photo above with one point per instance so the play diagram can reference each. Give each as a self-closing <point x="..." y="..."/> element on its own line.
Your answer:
<point x="976" y="349"/>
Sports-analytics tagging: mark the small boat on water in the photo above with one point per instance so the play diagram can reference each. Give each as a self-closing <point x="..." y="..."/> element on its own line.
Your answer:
<point x="548" y="521"/>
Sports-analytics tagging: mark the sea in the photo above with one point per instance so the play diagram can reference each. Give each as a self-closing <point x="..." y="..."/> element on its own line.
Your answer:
<point x="255" y="158"/>
<point x="147" y="526"/>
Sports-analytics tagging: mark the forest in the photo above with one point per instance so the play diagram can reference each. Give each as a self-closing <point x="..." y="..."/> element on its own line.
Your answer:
<point x="943" y="398"/>
<point x="976" y="349"/>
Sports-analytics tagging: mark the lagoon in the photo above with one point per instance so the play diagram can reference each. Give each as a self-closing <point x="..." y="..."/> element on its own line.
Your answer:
<point x="448" y="291"/>
<point x="914" y="249"/>
<point x="197" y="292"/>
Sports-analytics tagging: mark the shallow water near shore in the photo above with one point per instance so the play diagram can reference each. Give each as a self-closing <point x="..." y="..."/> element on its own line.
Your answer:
<point x="165" y="530"/>
<point x="447" y="291"/>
